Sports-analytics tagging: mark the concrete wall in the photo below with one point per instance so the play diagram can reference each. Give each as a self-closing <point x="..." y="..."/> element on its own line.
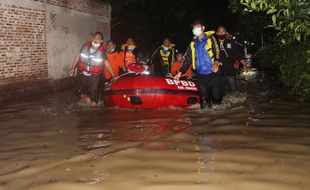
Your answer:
<point x="67" y="30"/>
<point x="39" y="38"/>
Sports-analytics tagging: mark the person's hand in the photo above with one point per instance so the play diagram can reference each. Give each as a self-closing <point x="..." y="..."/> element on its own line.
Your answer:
<point x="177" y="76"/>
<point x="245" y="68"/>
<point x="244" y="65"/>
<point x="71" y="72"/>
<point x="215" y="66"/>
<point x="114" y="78"/>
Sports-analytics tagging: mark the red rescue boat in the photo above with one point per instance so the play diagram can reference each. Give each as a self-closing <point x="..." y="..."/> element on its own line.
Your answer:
<point x="147" y="92"/>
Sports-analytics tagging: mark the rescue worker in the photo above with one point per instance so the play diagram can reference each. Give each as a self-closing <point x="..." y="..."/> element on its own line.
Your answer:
<point x="116" y="61"/>
<point x="229" y="51"/>
<point x="89" y="63"/>
<point x="164" y="57"/>
<point x="129" y="52"/>
<point x="176" y="66"/>
<point x="203" y="55"/>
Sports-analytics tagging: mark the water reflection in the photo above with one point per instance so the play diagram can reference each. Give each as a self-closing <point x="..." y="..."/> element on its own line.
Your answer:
<point x="54" y="143"/>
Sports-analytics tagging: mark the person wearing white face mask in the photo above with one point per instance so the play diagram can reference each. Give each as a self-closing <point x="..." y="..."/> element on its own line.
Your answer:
<point x="88" y="66"/>
<point x="203" y="55"/>
<point x="129" y="52"/>
<point x="163" y="57"/>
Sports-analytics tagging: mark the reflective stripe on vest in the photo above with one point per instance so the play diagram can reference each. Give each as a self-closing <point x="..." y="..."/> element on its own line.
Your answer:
<point x="165" y="56"/>
<point x="91" y="62"/>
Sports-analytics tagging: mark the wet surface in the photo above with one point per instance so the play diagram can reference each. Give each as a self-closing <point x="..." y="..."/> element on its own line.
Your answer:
<point x="259" y="139"/>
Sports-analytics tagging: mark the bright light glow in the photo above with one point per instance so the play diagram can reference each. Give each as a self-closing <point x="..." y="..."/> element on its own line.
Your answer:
<point x="97" y="60"/>
<point x="248" y="10"/>
<point x="145" y="67"/>
<point x="83" y="55"/>
<point x="145" y="72"/>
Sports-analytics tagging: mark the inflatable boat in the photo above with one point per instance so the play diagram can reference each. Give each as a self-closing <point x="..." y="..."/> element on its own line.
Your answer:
<point x="138" y="89"/>
<point x="147" y="92"/>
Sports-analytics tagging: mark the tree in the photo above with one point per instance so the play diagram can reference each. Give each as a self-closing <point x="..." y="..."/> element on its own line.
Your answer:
<point x="291" y="18"/>
<point x="291" y="55"/>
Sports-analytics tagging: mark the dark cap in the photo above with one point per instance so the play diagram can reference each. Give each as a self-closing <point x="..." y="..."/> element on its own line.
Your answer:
<point x="197" y="22"/>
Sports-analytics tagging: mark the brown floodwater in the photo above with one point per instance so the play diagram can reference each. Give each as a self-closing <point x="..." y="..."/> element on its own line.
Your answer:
<point x="259" y="139"/>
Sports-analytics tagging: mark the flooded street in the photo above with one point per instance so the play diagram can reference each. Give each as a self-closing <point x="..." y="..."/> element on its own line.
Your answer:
<point x="258" y="143"/>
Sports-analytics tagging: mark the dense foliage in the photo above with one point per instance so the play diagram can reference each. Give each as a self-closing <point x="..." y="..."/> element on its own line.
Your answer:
<point x="291" y="18"/>
<point x="290" y="54"/>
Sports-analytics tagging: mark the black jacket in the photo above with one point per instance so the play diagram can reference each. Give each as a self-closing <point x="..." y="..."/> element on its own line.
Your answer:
<point x="229" y="51"/>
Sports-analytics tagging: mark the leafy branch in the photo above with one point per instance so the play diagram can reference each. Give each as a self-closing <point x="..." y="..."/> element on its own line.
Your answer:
<point x="291" y="18"/>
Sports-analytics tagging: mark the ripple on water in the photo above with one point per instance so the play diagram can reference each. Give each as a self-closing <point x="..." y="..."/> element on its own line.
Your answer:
<point x="246" y="143"/>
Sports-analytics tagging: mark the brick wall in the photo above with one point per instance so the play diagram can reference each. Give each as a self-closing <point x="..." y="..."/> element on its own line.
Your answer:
<point x="96" y="7"/>
<point x="103" y="27"/>
<point x="24" y="43"/>
<point x="23" y="51"/>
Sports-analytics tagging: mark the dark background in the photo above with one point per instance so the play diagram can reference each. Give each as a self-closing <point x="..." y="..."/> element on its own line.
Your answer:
<point x="149" y="21"/>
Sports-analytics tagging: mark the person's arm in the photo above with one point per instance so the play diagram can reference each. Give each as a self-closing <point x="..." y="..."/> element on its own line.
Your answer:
<point x="187" y="63"/>
<point x="107" y="64"/>
<point x="109" y="67"/>
<point x="123" y="68"/>
<point x="245" y="65"/>
<point x="121" y="62"/>
<point x="237" y="52"/>
<point x="74" y="65"/>
<point x="216" y="54"/>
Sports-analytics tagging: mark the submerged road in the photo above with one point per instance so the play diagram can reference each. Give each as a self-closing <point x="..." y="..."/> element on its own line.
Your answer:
<point x="261" y="143"/>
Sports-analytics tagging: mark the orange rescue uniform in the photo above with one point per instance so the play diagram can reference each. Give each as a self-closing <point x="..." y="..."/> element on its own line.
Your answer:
<point x="129" y="53"/>
<point x="175" y="68"/>
<point x="116" y="60"/>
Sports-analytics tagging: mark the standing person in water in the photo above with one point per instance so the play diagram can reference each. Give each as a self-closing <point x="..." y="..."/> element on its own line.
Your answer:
<point x="129" y="52"/>
<point x="203" y="55"/>
<point x="116" y="60"/>
<point x="164" y="57"/>
<point x="229" y="51"/>
<point x="90" y="63"/>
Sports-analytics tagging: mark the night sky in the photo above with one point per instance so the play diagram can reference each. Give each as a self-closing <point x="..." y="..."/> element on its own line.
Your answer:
<point x="150" y="21"/>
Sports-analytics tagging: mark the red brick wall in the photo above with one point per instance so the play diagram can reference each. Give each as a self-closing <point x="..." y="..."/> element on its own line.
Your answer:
<point x="23" y="53"/>
<point x="23" y="46"/>
<point x="96" y="7"/>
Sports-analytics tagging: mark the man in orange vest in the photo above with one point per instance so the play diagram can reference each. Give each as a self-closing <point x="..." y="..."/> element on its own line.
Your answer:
<point x="129" y="52"/>
<point x="89" y="64"/>
<point x="176" y="66"/>
<point x="116" y="60"/>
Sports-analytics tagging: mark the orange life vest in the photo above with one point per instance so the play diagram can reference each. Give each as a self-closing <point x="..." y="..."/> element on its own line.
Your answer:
<point x="128" y="54"/>
<point x="176" y="66"/>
